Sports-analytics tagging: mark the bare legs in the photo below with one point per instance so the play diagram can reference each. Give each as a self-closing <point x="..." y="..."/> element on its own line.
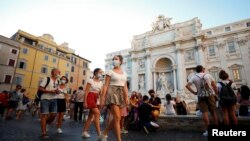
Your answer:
<point x="116" y="112"/>
<point x="94" y="114"/>
<point x="19" y="113"/>
<point x="46" y="119"/>
<point x="206" y="118"/>
<point x="229" y="112"/>
<point x="59" y="119"/>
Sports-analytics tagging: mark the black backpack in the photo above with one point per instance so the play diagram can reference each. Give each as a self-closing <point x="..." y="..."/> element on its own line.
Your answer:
<point x="39" y="92"/>
<point x="227" y="96"/>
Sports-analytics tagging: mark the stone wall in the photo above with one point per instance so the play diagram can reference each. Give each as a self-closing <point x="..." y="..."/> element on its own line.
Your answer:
<point x="180" y="122"/>
<point x="188" y="122"/>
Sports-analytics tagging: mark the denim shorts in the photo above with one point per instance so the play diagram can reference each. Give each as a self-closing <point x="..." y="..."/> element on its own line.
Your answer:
<point x="48" y="106"/>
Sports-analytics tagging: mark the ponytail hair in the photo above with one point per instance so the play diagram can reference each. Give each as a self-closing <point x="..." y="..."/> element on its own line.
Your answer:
<point x="168" y="98"/>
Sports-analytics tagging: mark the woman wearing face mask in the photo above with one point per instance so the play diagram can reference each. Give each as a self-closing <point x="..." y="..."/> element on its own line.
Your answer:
<point x="91" y="101"/>
<point x="115" y="96"/>
<point x="61" y="102"/>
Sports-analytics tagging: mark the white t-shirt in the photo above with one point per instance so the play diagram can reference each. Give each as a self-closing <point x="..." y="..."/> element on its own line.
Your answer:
<point x="170" y="108"/>
<point x="53" y="85"/>
<point x="197" y="80"/>
<point x="117" y="79"/>
<point x="79" y="96"/>
<point x="95" y="86"/>
<point x="62" y="93"/>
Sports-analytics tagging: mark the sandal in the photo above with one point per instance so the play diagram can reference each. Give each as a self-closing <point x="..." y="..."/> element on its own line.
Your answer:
<point x="44" y="136"/>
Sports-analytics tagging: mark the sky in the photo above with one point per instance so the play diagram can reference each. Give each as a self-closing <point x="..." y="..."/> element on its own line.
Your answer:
<point x="94" y="28"/>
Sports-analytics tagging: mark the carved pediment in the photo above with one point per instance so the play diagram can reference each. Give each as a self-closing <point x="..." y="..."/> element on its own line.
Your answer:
<point x="235" y="66"/>
<point x="221" y="44"/>
<point x="214" y="68"/>
<point x="242" y="42"/>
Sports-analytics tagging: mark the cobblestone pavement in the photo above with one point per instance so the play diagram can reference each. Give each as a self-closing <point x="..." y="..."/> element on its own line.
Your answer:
<point x="28" y="129"/>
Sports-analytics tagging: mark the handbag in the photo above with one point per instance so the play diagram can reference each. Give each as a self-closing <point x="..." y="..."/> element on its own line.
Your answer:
<point x="25" y="100"/>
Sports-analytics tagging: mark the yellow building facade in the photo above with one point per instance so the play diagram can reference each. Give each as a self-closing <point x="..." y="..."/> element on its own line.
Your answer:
<point x="79" y="72"/>
<point x="39" y="55"/>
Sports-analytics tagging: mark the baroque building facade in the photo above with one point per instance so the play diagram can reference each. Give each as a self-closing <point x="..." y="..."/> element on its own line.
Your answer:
<point x="164" y="58"/>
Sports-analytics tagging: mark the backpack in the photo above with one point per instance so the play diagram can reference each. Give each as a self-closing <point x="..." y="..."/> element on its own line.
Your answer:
<point x="25" y="100"/>
<point x="205" y="90"/>
<point x="39" y="92"/>
<point x="226" y="96"/>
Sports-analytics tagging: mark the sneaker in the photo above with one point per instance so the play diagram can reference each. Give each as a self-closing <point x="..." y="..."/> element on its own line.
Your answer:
<point x="124" y="131"/>
<point x="154" y="124"/>
<point x="205" y="133"/>
<point x="85" y="134"/>
<point x="145" y="129"/>
<point x="103" y="137"/>
<point x="59" y="130"/>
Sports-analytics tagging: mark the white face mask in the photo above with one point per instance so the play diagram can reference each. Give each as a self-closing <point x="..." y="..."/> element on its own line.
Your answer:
<point x="99" y="76"/>
<point x="63" y="81"/>
<point x="116" y="63"/>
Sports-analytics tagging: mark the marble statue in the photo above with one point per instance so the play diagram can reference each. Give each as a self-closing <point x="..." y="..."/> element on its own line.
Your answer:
<point x="163" y="83"/>
<point x="141" y="82"/>
<point x="161" y="23"/>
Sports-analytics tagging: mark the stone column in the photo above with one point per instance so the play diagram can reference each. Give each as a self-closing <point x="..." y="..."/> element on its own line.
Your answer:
<point x="149" y="80"/>
<point x="179" y="57"/>
<point x="200" y="48"/>
<point x="134" y="79"/>
<point x="154" y="81"/>
<point x="175" y="82"/>
<point x="222" y="54"/>
<point x="201" y="55"/>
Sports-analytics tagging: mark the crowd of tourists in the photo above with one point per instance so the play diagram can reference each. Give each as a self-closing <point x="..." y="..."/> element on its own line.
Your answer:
<point x="109" y="101"/>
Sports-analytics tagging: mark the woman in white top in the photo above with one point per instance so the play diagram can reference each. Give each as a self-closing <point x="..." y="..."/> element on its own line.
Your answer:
<point x="61" y="102"/>
<point x="170" y="110"/>
<point x="115" y="96"/>
<point x="91" y="101"/>
<point x="21" y="106"/>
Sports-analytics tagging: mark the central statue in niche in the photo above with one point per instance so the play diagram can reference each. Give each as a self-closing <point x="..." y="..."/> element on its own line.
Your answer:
<point x="162" y="85"/>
